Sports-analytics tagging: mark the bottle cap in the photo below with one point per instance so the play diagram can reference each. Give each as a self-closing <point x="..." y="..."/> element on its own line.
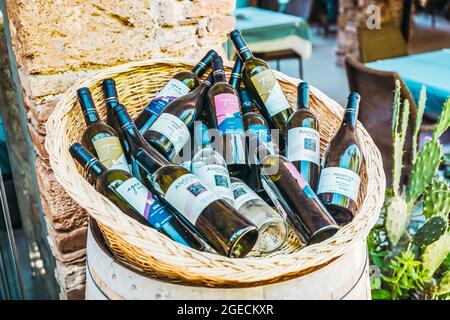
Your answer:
<point x="246" y="100"/>
<point x="109" y="89"/>
<point x="83" y="156"/>
<point x="303" y="95"/>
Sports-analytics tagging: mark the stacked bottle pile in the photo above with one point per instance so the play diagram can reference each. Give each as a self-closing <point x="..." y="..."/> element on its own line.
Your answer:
<point x="203" y="163"/>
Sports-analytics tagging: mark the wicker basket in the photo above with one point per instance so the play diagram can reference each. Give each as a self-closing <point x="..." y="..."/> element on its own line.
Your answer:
<point x="153" y="253"/>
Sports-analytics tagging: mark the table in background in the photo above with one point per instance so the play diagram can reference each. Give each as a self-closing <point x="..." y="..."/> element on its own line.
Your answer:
<point x="431" y="69"/>
<point x="268" y="31"/>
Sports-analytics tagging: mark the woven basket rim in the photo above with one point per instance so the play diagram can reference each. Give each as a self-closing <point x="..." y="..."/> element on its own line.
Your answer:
<point x="131" y="231"/>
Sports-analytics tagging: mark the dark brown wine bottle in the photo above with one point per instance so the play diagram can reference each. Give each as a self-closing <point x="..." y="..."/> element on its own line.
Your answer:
<point x="303" y="139"/>
<point x="134" y="200"/>
<point x="226" y="118"/>
<point x="295" y="199"/>
<point x="99" y="138"/>
<point x="181" y="84"/>
<point x="263" y="86"/>
<point x="225" y="229"/>
<point x="172" y="129"/>
<point x="341" y="166"/>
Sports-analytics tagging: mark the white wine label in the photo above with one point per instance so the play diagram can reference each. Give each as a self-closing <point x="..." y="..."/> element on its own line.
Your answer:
<point x="341" y="181"/>
<point x="303" y="145"/>
<point x="189" y="196"/>
<point x="110" y="153"/>
<point x="173" y="128"/>
<point x="242" y="194"/>
<point x="137" y="196"/>
<point x="270" y="92"/>
<point x="216" y="178"/>
<point x="174" y="88"/>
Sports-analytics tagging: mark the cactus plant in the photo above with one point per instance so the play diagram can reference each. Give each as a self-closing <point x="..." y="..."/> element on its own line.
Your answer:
<point x="443" y="291"/>
<point x="435" y="253"/>
<point x="437" y="200"/>
<point x="419" y="117"/>
<point x="396" y="218"/>
<point x="398" y="145"/>
<point x="424" y="169"/>
<point x="431" y="231"/>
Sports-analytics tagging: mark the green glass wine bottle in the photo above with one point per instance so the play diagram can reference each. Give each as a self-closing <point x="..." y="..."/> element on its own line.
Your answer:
<point x="263" y="86"/>
<point x="134" y="199"/>
<point x="99" y="138"/>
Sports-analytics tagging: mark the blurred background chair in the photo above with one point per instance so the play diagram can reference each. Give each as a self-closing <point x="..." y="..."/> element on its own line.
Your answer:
<point x="377" y="94"/>
<point x="379" y="44"/>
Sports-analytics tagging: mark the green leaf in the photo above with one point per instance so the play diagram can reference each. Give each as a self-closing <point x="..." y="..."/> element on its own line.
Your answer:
<point x="419" y="117"/>
<point x="444" y="120"/>
<point x="381" y="294"/>
<point x="424" y="169"/>
<point x="431" y="231"/>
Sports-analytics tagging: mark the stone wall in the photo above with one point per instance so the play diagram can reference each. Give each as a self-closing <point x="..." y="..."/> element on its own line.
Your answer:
<point x="353" y="13"/>
<point x="58" y="42"/>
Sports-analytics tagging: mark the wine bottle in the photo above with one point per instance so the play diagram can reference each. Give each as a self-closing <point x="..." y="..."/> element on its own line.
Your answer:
<point x="99" y="138"/>
<point x="341" y="165"/>
<point x="210" y="167"/>
<point x="134" y="199"/>
<point x="134" y="141"/>
<point x="181" y="84"/>
<point x="172" y="129"/>
<point x="225" y="229"/>
<point x="255" y="124"/>
<point x="262" y="84"/>
<point x="112" y="99"/>
<point x="303" y="139"/>
<point x="293" y="196"/>
<point x="271" y="226"/>
<point x="226" y="117"/>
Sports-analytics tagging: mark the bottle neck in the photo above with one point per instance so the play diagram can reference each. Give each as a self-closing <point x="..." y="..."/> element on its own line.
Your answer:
<point x="110" y="92"/>
<point x="205" y="85"/>
<point x="147" y="162"/>
<point x="235" y="78"/>
<point x="241" y="46"/>
<point x="218" y="72"/>
<point x="303" y="96"/>
<point x="246" y="101"/>
<point x="351" y="111"/>
<point x="128" y="128"/>
<point x="87" y="106"/>
<point x="90" y="164"/>
<point x="203" y="65"/>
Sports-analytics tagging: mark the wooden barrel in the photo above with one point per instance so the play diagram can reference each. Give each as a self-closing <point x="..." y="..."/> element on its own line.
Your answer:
<point x="106" y="278"/>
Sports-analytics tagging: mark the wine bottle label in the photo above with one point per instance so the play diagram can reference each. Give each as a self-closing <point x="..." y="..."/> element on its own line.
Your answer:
<point x="303" y="145"/>
<point x="308" y="191"/>
<point x="189" y="196"/>
<point x="140" y="199"/>
<point x="171" y="91"/>
<point x="341" y="181"/>
<point x="110" y="153"/>
<point x="270" y="92"/>
<point x="215" y="177"/>
<point x="228" y="113"/>
<point x="242" y="194"/>
<point x="173" y="128"/>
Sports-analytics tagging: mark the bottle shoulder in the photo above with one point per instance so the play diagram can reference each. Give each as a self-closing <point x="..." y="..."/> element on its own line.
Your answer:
<point x="189" y="78"/>
<point x="221" y="88"/>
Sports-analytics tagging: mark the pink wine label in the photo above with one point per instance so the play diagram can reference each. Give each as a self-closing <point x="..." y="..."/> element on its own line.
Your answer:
<point x="228" y="113"/>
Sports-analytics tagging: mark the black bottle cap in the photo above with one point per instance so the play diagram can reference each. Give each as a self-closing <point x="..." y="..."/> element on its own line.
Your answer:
<point x="109" y="89"/>
<point x="246" y="100"/>
<point x="235" y="33"/>
<point x="303" y="95"/>
<point x="204" y="63"/>
<point x="122" y="116"/>
<point x="353" y="101"/>
<point x="85" y="158"/>
<point x="219" y="74"/>
<point x="85" y="99"/>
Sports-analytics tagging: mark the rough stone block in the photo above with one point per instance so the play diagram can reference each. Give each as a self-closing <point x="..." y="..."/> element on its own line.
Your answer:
<point x="68" y="242"/>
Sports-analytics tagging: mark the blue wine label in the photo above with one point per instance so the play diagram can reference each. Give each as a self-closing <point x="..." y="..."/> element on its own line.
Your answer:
<point x="139" y="198"/>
